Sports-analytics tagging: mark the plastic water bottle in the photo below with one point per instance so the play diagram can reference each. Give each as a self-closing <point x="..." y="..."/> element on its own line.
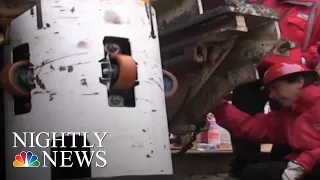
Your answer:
<point x="214" y="135"/>
<point x="204" y="147"/>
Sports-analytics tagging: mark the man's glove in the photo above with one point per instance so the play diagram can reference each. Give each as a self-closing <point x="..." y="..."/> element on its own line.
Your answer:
<point x="293" y="171"/>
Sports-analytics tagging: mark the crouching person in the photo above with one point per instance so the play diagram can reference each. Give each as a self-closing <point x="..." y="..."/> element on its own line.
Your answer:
<point x="297" y="124"/>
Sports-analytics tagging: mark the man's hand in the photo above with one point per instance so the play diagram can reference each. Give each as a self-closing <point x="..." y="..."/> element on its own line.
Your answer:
<point x="293" y="171"/>
<point x="210" y="116"/>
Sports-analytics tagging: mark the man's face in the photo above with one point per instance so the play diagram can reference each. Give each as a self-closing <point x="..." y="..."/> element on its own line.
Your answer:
<point x="284" y="92"/>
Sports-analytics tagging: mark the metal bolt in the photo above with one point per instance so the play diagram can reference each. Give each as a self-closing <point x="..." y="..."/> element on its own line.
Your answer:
<point x="199" y="58"/>
<point x="116" y="101"/>
<point x="112" y="48"/>
<point x="105" y="71"/>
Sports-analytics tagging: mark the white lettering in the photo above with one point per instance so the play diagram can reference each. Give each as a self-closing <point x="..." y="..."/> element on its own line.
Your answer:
<point x="37" y="138"/>
<point x="16" y="136"/>
<point x="63" y="158"/>
<point x="85" y="157"/>
<point x="85" y="145"/>
<point x="43" y="140"/>
<point x="55" y="139"/>
<point x="74" y="134"/>
<point x="104" y="161"/>
<point x="47" y="140"/>
<point x="100" y="139"/>
<point x="82" y="157"/>
<point x="47" y="156"/>
<point x="31" y="139"/>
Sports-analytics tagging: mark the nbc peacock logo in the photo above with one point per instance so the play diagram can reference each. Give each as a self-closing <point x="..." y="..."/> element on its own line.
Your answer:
<point x="26" y="159"/>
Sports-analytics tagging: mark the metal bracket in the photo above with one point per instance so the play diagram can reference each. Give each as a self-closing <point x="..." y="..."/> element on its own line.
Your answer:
<point x="107" y="71"/>
<point x="283" y="48"/>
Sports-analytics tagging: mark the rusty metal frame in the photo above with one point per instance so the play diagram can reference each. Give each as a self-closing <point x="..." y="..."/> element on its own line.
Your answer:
<point x="10" y="9"/>
<point x="228" y="32"/>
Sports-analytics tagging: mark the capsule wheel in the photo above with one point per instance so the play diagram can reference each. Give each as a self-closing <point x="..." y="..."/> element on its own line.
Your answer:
<point x="9" y="79"/>
<point x="126" y="73"/>
<point x="170" y="83"/>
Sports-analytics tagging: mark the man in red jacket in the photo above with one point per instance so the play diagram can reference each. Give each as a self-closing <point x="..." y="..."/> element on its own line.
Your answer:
<point x="297" y="89"/>
<point x="299" y="23"/>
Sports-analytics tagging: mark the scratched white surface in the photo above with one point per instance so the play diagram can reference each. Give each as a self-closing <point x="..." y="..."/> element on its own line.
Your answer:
<point x="74" y="37"/>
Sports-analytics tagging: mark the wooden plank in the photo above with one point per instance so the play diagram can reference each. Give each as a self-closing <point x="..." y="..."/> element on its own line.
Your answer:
<point x="224" y="148"/>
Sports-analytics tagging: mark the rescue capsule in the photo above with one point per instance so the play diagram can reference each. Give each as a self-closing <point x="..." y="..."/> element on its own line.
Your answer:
<point x="86" y="66"/>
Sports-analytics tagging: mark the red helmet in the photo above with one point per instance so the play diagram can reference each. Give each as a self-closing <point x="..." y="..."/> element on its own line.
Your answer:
<point x="282" y="69"/>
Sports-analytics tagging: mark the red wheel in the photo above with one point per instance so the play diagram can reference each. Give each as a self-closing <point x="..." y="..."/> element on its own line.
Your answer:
<point x="170" y="83"/>
<point x="127" y="73"/>
<point x="9" y="79"/>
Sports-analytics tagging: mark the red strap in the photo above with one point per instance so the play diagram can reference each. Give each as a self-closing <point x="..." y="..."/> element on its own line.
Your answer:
<point x="311" y="22"/>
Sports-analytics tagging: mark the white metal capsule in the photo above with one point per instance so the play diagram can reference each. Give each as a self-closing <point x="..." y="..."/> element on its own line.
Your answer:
<point x="72" y="94"/>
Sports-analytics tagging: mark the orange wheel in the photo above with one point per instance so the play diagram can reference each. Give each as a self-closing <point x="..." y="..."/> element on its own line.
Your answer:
<point x="127" y="74"/>
<point x="170" y="89"/>
<point x="9" y="80"/>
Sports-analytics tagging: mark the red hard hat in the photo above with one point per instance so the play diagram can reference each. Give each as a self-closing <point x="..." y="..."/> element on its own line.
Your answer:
<point x="282" y="69"/>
